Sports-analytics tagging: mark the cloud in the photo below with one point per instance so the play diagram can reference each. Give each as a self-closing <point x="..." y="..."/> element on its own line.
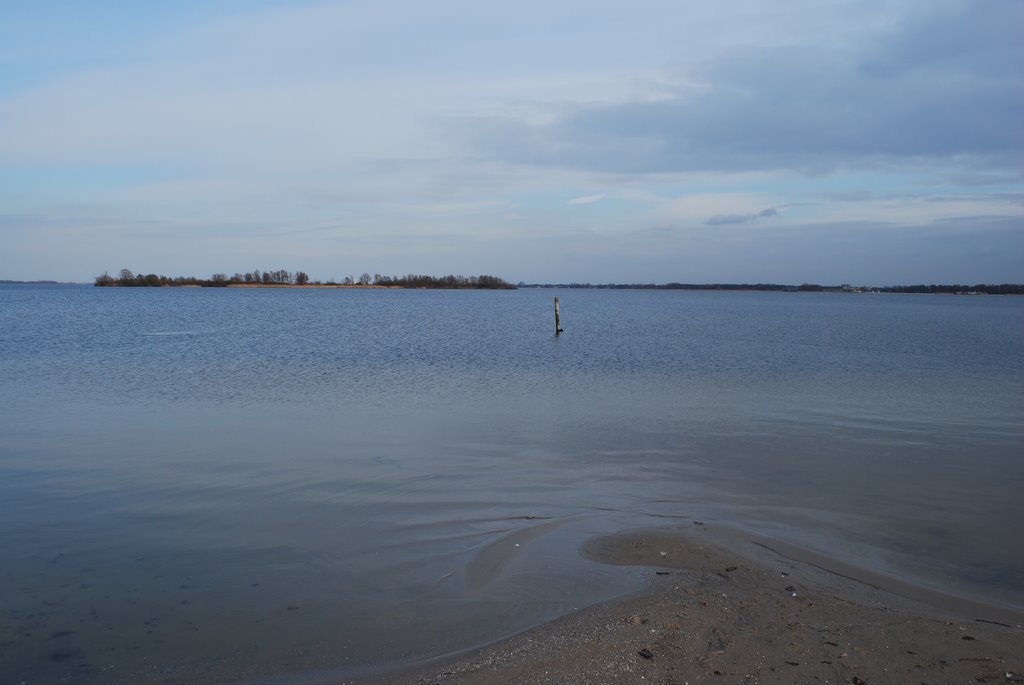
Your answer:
<point x="725" y="219"/>
<point x="586" y="199"/>
<point x="390" y="135"/>
<point x="848" y="196"/>
<point x="893" y="99"/>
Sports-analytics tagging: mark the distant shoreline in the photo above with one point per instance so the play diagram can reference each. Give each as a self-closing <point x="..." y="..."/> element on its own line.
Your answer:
<point x="37" y="283"/>
<point x="943" y="289"/>
<point x="390" y="284"/>
<point x="369" y="286"/>
<point x="292" y="286"/>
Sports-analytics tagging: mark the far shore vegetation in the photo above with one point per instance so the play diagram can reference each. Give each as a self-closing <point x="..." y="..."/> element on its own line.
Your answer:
<point x="6" y="282"/>
<point x="300" y="279"/>
<point x="286" y="279"/>
<point x="950" y="289"/>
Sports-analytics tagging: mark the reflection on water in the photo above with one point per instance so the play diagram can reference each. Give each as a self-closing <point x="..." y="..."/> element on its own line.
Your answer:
<point x="218" y="484"/>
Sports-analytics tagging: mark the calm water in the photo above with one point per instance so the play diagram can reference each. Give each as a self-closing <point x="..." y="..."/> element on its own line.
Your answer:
<point x="229" y="485"/>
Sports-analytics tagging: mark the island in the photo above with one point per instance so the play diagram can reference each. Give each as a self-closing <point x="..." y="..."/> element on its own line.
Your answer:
<point x="300" y="279"/>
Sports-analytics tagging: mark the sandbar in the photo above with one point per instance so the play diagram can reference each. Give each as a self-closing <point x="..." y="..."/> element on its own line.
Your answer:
<point x="726" y="607"/>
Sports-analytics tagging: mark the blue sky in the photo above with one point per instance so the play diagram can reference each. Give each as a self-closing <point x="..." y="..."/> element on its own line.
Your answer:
<point x="652" y="141"/>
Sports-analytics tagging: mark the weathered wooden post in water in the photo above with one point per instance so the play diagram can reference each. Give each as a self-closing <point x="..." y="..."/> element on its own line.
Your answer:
<point x="558" y="326"/>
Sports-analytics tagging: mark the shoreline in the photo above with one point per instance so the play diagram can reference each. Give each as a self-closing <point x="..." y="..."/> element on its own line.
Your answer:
<point x="726" y="606"/>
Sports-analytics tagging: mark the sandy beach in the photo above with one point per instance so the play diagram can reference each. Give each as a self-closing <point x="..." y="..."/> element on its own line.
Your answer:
<point x="725" y="607"/>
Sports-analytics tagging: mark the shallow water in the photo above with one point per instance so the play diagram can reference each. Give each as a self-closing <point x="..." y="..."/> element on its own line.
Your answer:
<point x="224" y="485"/>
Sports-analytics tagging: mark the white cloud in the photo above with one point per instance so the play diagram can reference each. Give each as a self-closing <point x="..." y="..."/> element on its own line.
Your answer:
<point x="587" y="199"/>
<point x="696" y="208"/>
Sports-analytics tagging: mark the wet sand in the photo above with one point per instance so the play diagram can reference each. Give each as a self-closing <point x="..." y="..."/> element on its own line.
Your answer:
<point x="725" y="607"/>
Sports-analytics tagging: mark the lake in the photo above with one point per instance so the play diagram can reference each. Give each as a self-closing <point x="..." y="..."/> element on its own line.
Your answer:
<point x="274" y="485"/>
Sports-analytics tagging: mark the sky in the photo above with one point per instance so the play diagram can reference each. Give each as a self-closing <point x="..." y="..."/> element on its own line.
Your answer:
<point x="825" y="141"/>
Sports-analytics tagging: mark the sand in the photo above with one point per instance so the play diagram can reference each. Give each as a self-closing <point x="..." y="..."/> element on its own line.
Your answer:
<point x="725" y="607"/>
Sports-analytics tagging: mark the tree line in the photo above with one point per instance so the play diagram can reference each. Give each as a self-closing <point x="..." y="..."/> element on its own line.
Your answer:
<point x="958" y="289"/>
<point x="955" y="289"/>
<point x="482" y="282"/>
<point x="282" y="277"/>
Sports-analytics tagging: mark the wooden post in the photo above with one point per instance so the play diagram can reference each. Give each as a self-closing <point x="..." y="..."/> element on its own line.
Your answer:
<point x="558" y="327"/>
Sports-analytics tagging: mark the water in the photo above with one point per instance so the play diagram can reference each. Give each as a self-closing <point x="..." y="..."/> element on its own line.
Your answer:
<point x="237" y="485"/>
